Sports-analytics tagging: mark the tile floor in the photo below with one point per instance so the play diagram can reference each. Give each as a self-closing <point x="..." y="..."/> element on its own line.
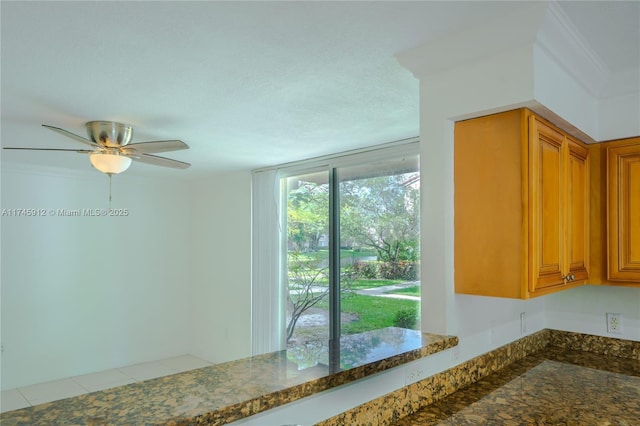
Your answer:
<point x="40" y="393"/>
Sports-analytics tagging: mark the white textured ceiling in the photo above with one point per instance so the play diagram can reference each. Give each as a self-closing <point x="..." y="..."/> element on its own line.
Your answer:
<point x="245" y="84"/>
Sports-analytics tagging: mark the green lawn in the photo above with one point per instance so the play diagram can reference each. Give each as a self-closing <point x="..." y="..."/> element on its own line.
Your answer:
<point x="374" y="312"/>
<point x="361" y="283"/>
<point x="409" y="291"/>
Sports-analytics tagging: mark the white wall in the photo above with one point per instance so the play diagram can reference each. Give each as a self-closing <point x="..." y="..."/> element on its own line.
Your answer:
<point x="559" y="92"/>
<point x="499" y="82"/>
<point x="221" y="255"/>
<point x="584" y="309"/>
<point x="83" y="294"/>
<point x="620" y="115"/>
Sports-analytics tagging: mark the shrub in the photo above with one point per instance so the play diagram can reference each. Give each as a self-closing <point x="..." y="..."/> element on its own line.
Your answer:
<point x="399" y="270"/>
<point x="406" y="318"/>
<point x="366" y="269"/>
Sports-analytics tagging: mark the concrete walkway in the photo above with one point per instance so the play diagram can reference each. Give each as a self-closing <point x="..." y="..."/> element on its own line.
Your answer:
<point x="381" y="291"/>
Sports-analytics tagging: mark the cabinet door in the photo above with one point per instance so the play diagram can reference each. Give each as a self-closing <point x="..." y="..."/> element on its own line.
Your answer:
<point x="577" y="205"/>
<point x="623" y="207"/>
<point x="546" y="208"/>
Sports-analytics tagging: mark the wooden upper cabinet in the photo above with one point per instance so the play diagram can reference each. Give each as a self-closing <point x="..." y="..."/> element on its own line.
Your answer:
<point x="521" y="207"/>
<point x="578" y="210"/>
<point x="547" y="205"/>
<point x="623" y="211"/>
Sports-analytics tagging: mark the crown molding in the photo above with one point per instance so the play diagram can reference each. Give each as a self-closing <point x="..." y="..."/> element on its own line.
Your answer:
<point x="559" y="38"/>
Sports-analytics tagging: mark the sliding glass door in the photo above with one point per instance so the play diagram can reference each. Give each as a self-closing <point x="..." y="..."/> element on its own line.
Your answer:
<point x="307" y="259"/>
<point x="379" y="216"/>
<point x="352" y="252"/>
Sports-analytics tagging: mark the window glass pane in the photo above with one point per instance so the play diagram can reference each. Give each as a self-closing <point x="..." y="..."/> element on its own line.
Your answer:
<point x="307" y="271"/>
<point x="379" y="245"/>
<point x="352" y="242"/>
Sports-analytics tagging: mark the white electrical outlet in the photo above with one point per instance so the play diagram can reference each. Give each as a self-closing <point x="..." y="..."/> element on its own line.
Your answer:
<point x="614" y="323"/>
<point x="523" y="322"/>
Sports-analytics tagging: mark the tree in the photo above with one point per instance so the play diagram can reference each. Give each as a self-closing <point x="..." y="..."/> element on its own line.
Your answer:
<point x="378" y="212"/>
<point x="309" y="285"/>
<point x="307" y="215"/>
<point x="384" y="213"/>
<point x="381" y="212"/>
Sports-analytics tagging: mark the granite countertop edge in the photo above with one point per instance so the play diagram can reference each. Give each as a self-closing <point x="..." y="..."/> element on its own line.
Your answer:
<point x="214" y="395"/>
<point x="436" y="343"/>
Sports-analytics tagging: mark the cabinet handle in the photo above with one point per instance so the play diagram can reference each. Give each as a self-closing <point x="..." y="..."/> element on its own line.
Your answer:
<point x="569" y="277"/>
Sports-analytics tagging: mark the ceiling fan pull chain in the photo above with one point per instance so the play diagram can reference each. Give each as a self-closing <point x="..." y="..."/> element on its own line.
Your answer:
<point x="110" y="175"/>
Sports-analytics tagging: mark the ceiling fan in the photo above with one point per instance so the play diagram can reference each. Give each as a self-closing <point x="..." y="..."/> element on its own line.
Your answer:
<point x="111" y="152"/>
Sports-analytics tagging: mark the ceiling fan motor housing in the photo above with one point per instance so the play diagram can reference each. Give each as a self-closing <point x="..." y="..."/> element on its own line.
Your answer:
<point x="109" y="133"/>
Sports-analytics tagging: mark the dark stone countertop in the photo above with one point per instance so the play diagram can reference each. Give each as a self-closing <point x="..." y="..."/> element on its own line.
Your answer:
<point x="226" y="392"/>
<point x="555" y="386"/>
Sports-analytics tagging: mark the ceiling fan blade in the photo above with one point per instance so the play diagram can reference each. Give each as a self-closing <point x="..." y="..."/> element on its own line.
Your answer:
<point x="81" y="151"/>
<point x="154" y="147"/>
<point x="72" y="136"/>
<point x="159" y="161"/>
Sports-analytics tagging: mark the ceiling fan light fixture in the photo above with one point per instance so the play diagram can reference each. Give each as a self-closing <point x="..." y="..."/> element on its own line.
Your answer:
<point x="109" y="163"/>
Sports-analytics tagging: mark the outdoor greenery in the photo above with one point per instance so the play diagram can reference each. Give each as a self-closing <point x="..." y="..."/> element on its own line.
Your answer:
<point x="407" y="291"/>
<point x="381" y="213"/>
<point x="308" y="286"/>
<point x="361" y="283"/>
<point x="406" y="318"/>
<point x="379" y="238"/>
<point x="307" y="216"/>
<point x="373" y="312"/>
